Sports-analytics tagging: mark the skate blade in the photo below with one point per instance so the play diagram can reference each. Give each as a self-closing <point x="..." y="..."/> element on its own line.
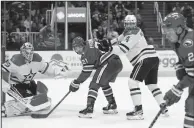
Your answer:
<point x="137" y="117"/>
<point x="112" y="111"/>
<point x="89" y="116"/>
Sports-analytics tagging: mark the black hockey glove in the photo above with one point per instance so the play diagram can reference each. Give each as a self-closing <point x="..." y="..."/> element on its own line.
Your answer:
<point x="74" y="86"/>
<point x="180" y="71"/>
<point x="105" y="45"/>
<point x="173" y="95"/>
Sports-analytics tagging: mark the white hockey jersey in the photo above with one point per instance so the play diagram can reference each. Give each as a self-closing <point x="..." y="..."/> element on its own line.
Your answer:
<point x="16" y="70"/>
<point x="134" y="45"/>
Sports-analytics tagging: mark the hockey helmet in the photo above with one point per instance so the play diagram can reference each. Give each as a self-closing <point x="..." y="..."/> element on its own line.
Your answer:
<point x="173" y="25"/>
<point x="174" y="20"/>
<point x="130" y="21"/>
<point x="27" y="51"/>
<point x="78" y="45"/>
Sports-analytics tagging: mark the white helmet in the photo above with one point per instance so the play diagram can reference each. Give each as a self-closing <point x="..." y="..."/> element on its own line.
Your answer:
<point x="130" y="21"/>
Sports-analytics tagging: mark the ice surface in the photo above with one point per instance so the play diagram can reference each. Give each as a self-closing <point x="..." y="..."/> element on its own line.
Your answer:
<point x="65" y="116"/>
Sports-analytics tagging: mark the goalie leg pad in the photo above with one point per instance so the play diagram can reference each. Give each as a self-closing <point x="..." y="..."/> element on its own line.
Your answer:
<point x="41" y="87"/>
<point x="33" y="103"/>
<point x="13" y="108"/>
<point x="39" y="102"/>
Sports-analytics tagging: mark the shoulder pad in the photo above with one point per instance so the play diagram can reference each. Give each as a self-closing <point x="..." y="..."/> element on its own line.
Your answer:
<point x="37" y="57"/>
<point x="18" y="59"/>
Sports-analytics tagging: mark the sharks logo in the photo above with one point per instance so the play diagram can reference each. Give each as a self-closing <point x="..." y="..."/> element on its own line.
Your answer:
<point x="188" y="43"/>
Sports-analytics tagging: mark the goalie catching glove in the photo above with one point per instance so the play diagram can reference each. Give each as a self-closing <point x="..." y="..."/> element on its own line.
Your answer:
<point x="173" y="95"/>
<point x="74" y="86"/>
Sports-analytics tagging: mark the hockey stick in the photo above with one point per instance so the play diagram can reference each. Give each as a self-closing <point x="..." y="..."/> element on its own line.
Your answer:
<point x="158" y="114"/>
<point x="36" y="115"/>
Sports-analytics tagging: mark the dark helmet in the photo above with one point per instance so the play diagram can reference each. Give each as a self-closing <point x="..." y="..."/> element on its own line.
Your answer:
<point x="174" y="20"/>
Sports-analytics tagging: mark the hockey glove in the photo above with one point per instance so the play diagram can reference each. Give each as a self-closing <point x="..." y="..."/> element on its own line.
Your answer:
<point x="74" y="86"/>
<point x="105" y="45"/>
<point x="173" y="95"/>
<point x="180" y="71"/>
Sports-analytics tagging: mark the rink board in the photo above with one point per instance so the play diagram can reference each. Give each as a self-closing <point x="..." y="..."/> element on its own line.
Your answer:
<point x="167" y="61"/>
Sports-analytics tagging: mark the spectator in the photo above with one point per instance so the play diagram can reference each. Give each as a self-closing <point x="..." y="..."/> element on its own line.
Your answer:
<point x="34" y="28"/>
<point x="177" y="8"/>
<point x="99" y="33"/>
<point x="119" y="8"/>
<point x="140" y="24"/>
<point x="71" y="36"/>
<point x="128" y="7"/>
<point x="187" y="12"/>
<point x="21" y="27"/>
<point x="152" y="42"/>
<point x="27" y="24"/>
<point x="96" y="21"/>
<point x="112" y="33"/>
<point x="115" y="25"/>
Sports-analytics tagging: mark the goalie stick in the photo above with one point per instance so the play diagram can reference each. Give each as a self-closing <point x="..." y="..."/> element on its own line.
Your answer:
<point x="36" y="115"/>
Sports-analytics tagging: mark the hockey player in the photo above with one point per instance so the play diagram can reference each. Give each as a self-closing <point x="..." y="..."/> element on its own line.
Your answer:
<point x="144" y="59"/>
<point x="182" y="37"/>
<point x="107" y="67"/>
<point x="17" y="81"/>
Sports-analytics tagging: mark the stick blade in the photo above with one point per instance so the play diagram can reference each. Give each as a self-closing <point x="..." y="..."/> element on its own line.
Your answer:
<point x="36" y="116"/>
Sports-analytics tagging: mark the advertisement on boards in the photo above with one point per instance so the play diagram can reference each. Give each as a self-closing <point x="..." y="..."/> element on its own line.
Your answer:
<point x="70" y="58"/>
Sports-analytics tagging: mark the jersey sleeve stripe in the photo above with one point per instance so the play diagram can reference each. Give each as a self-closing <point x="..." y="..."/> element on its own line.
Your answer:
<point x="123" y="50"/>
<point x="125" y="46"/>
<point x="179" y="66"/>
<point x="190" y="71"/>
<point x="86" y="70"/>
<point x="4" y="68"/>
<point x="46" y="68"/>
<point x="88" y="67"/>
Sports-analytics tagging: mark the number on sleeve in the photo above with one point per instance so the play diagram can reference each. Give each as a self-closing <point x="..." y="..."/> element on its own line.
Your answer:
<point x="127" y="39"/>
<point x="191" y="56"/>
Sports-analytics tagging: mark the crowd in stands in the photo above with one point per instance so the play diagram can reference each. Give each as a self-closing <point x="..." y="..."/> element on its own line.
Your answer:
<point x="24" y="21"/>
<point x="118" y="11"/>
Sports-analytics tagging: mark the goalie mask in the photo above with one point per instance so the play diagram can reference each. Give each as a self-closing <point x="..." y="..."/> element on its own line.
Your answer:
<point x="130" y="21"/>
<point x="27" y="51"/>
<point x="173" y="26"/>
<point x="78" y="45"/>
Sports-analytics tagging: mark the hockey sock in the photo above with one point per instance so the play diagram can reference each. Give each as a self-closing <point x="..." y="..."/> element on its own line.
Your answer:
<point x="157" y="94"/>
<point x="108" y="93"/>
<point x="135" y="92"/>
<point x="189" y="121"/>
<point x="92" y="95"/>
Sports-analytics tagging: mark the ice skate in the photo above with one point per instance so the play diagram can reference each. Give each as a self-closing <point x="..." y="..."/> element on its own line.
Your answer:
<point x="87" y="112"/>
<point x="111" y="108"/>
<point x="137" y="114"/>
